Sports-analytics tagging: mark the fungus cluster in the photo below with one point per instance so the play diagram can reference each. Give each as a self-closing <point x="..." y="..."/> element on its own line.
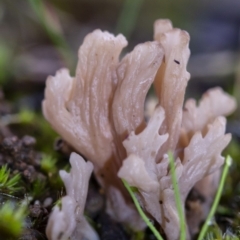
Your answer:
<point x="100" y="112"/>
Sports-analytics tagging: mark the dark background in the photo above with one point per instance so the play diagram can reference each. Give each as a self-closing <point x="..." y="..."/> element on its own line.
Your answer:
<point x="39" y="37"/>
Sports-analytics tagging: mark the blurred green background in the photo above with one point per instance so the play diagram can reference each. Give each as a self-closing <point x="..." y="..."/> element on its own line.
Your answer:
<point x="39" y="37"/>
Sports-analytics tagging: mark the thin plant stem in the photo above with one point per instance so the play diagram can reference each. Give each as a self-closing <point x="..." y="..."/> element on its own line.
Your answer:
<point x="142" y="214"/>
<point x="227" y="164"/>
<point x="128" y="17"/>
<point x="56" y="38"/>
<point x="177" y="197"/>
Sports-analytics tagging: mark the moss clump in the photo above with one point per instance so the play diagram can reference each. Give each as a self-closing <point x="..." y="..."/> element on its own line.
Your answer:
<point x="11" y="220"/>
<point x="9" y="184"/>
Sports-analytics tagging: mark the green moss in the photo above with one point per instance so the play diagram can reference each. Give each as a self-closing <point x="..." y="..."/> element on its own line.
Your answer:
<point x="11" y="220"/>
<point x="48" y="165"/>
<point x="9" y="184"/>
<point x="26" y="116"/>
<point x="38" y="188"/>
<point x="33" y="123"/>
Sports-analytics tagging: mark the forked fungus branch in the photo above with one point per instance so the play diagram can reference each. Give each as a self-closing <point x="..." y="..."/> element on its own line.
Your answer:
<point x="100" y="112"/>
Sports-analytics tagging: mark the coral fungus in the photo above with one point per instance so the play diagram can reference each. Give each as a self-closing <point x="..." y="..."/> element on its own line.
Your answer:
<point x="100" y="112"/>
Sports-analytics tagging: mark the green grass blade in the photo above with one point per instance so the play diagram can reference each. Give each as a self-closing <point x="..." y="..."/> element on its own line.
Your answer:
<point x="142" y="214"/>
<point x="12" y="184"/>
<point x="4" y="175"/>
<point x="177" y="198"/>
<point x="57" y="39"/>
<point x="204" y="229"/>
<point x="9" y="184"/>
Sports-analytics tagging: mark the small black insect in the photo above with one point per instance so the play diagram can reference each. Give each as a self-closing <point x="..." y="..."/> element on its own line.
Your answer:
<point x="176" y="61"/>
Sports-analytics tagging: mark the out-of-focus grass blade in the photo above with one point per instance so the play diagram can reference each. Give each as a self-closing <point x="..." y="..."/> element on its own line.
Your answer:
<point x="128" y="17"/>
<point x="55" y="36"/>
<point x="5" y="57"/>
